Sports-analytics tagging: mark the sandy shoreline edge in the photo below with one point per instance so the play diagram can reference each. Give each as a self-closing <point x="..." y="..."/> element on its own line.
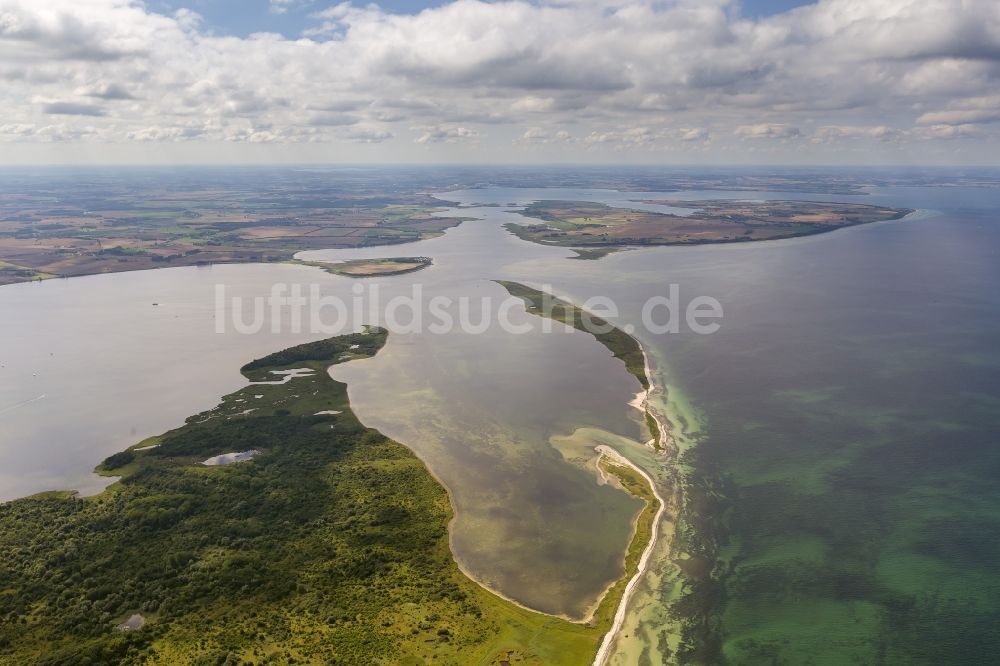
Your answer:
<point x="642" y="402"/>
<point x="662" y="442"/>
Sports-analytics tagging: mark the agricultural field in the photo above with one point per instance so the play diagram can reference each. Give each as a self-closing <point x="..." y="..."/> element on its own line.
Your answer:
<point x="590" y="225"/>
<point x="44" y="236"/>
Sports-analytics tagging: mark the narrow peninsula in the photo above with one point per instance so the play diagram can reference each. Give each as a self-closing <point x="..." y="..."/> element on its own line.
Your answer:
<point x="632" y="478"/>
<point x="622" y="345"/>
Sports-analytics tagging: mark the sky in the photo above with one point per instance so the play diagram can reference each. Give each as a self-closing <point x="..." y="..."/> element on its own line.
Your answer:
<point x="292" y="17"/>
<point x="465" y="81"/>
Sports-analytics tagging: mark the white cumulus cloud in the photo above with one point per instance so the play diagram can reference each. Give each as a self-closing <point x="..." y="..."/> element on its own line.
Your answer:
<point x="635" y="74"/>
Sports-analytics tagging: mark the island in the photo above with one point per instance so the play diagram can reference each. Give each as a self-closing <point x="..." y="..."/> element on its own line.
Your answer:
<point x="275" y="528"/>
<point x="63" y="225"/>
<point x="594" y="229"/>
<point x="362" y="268"/>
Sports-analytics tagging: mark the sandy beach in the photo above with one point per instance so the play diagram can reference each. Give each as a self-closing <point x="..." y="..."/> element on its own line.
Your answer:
<point x="642" y="398"/>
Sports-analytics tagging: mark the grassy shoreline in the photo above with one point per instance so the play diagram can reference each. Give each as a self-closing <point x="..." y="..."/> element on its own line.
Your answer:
<point x="330" y="545"/>
<point x="628" y="349"/>
<point x="593" y="230"/>
<point x="364" y="268"/>
<point x="622" y="345"/>
<point x="638" y="483"/>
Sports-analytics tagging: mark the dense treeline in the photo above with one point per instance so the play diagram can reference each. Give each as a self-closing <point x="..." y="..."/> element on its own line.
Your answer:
<point x="329" y="547"/>
<point x="363" y="344"/>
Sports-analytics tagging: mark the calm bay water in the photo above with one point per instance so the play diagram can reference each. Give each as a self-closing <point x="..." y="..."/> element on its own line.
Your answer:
<point x="846" y="416"/>
<point x="93" y="365"/>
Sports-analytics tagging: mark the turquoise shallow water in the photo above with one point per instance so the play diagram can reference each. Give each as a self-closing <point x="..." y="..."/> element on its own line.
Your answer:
<point x="843" y="489"/>
<point x="850" y="409"/>
<point x="853" y="412"/>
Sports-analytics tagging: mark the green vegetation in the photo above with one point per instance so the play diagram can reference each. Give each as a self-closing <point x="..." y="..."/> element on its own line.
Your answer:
<point x="111" y="229"/>
<point x="621" y="344"/>
<point x="359" y="268"/>
<point x="593" y="229"/>
<point x="635" y="485"/>
<point x="328" y="547"/>
<point x="592" y="253"/>
<point x="10" y="272"/>
<point x="654" y="428"/>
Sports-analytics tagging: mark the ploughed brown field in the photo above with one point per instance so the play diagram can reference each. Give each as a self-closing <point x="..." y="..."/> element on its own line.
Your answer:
<point x="586" y="224"/>
<point x="39" y="240"/>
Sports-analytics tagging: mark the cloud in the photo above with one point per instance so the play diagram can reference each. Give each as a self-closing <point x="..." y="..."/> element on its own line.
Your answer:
<point x="540" y="135"/>
<point x="367" y="135"/>
<point x="282" y="6"/>
<point x="630" y="74"/>
<point x="767" y="131"/>
<point x="693" y="134"/>
<point x="828" y="134"/>
<point x="963" y="112"/>
<point x="633" y="136"/>
<point x="51" y="133"/>
<point x="932" y="132"/>
<point x="649" y="138"/>
<point x="535" y="104"/>
<point x="72" y="109"/>
<point x="74" y="31"/>
<point x="16" y="130"/>
<point x="333" y="119"/>
<point x="960" y="117"/>
<point x="166" y="134"/>
<point x="885" y="134"/>
<point x="106" y="91"/>
<point x="439" y="134"/>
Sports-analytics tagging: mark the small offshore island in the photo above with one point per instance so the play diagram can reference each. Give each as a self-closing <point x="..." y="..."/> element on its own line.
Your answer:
<point x="328" y="545"/>
<point x="597" y="229"/>
<point x="362" y="268"/>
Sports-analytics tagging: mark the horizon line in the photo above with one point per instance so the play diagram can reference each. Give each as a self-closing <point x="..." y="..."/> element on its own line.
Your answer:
<point x="517" y="165"/>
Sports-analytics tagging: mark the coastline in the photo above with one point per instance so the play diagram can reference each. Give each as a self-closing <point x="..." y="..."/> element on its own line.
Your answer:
<point x="592" y="251"/>
<point x="607" y="642"/>
<point x="662" y="442"/>
<point x="389" y="266"/>
<point x="480" y="624"/>
<point x="586" y="247"/>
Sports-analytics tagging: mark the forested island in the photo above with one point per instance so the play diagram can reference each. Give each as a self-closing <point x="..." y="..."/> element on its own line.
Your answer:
<point x="272" y="529"/>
